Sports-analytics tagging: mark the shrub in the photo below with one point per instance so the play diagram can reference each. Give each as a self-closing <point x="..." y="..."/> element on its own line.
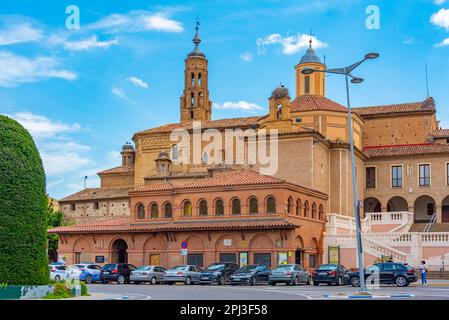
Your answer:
<point x="23" y="257"/>
<point x="60" y="292"/>
<point x="84" y="290"/>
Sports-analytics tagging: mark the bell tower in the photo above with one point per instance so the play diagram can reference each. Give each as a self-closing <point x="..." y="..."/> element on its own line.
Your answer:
<point x="312" y="84"/>
<point x="195" y="103"/>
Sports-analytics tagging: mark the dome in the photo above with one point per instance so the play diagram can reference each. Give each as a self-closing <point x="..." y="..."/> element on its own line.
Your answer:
<point x="196" y="52"/>
<point x="280" y="92"/>
<point x="310" y="56"/>
<point x="127" y="147"/>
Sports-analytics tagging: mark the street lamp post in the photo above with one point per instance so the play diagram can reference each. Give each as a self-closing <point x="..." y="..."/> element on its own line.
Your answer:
<point x="347" y="73"/>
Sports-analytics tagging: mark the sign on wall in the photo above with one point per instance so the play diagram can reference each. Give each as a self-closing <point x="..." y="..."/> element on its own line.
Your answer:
<point x="99" y="259"/>
<point x="333" y="255"/>
<point x="227" y="242"/>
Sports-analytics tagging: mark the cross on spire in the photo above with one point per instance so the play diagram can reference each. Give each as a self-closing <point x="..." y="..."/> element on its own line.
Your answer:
<point x="310" y="37"/>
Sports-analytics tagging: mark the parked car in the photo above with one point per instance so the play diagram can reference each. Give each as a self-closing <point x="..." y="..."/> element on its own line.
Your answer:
<point x="151" y="274"/>
<point x="387" y="273"/>
<point x="116" y="272"/>
<point x="290" y="274"/>
<point x="219" y="272"/>
<point x="87" y="272"/>
<point x="189" y="274"/>
<point x="251" y="274"/>
<point x="330" y="274"/>
<point x="58" y="272"/>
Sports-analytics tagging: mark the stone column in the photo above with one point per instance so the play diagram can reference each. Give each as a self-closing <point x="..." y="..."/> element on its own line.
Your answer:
<point x="439" y="212"/>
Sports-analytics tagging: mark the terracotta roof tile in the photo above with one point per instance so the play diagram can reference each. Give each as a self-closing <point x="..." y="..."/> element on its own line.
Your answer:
<point x="314" y="102"/>
<point x="427" y="105"/>
<point x="98" y="193"/>
<point x="216" y="124"/>
<point x="441" y="133"/>
<point x="120" y="169"/>
<point x="239" y="178"/>
<point x="124" y="225"/>
<point x="404" y="150"/>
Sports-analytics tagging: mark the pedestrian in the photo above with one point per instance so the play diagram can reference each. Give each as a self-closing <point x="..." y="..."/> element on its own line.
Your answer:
<point x="423" y="269"/>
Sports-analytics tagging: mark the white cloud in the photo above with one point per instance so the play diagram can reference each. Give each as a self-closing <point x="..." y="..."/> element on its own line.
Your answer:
<point x="41" y="127"/>
<point x="59" y="162"/>
<point x="441" y="19"/>
<point x="439" y="2"/>
<point x="443" y="43"/>
<point x="239" y="105"/>
<point x="118" y="92"/>
<point x="89" y="43"/>
<point x="138" y="82"/>
<point x="15" y="69"/>
<point x="137" y="21"/>
<point x="289" y="44"/>
<point x="18" y="30"/>
<point x="247" y="56"/>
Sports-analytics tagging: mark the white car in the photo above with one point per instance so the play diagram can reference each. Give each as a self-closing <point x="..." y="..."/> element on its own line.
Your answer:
<point x="58" y="272"/>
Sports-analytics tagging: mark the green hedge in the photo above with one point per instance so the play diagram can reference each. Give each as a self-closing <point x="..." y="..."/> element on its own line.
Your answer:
<point x="23" y="201"/>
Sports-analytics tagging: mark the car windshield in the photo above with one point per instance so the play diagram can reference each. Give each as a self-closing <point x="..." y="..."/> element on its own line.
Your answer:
<point x="214" y="267"/>
<point x="178" y="268"/>
<point x="110" y="266"/>
<point x="247" y="268"/>
<point x="328" y="267"/>
<point x="284" y="267"/>
<point x="143" y="268"/>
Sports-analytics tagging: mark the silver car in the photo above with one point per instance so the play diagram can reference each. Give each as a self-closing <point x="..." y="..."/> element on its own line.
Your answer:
<point x="151" y="274"/>
<point x="290" y="274"/>
<point x="188" y="274"/>
<point x="58" y="272"/>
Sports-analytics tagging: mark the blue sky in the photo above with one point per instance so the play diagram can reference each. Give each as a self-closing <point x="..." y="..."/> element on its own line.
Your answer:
<point x="83" y="93"/>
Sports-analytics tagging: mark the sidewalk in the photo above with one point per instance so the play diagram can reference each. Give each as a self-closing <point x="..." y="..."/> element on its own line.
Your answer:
<point x="432" y="283"/>
<point x="98" y="296"/>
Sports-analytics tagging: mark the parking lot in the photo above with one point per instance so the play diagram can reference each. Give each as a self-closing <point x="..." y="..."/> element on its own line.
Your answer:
<point x="261" y="292"/>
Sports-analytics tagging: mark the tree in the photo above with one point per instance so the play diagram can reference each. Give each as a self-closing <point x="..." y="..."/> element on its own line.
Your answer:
<point x="23" y="204"/>
<point x="54" y="219"/>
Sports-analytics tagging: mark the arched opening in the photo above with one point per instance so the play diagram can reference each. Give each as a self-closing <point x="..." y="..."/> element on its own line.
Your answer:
<point x="314" y="211"/>
<point x="397" y="204"/>
<point x="314" y="258"/>
<point x="298" y="207"/>
<point x="168" y="210"/>
<point x="271" y="205"/>
<point x="279" y="111"/>
<point x="321" y="212"/>
<point x="82" y="251"/>
<point x="219" y="207"/>
<point x="290" y="205"/>
<point x="192" y="100"/>
<point x="140" y="211"/>
<point x="199" y="79"/>
<point x="299" y="253"/>
<point x="193" y="80"/>
<point x="154" y="209"/>
<point x="175" y="152"/>
<point x="187" y="209"/>
<point x="445" y="209"/>
<point x="306" y="209"/>
<point x="253" y="206"/>
<point x="202" y="208"/>
<point x="424" y="208"/>
<point x="235" y="206"/>
<point x="371" y="205"/>
<point x="119" y="251"/>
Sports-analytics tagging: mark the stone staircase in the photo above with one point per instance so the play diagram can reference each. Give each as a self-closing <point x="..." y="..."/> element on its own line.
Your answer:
<point x="436" y="227"/>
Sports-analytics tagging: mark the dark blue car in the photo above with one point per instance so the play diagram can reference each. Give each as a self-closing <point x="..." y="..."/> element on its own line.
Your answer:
<point x="219" y="272"/>
<point x="251" y="274"/>
<point x="330" y="274"/>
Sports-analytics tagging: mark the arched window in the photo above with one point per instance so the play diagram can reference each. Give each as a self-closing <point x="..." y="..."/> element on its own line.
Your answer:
<point x="298" y="207"/>
<point x="290" y="205"/>
<point x="199" y="79"/>
<point x="219" y="208"/>
<point x="253" y="206"/>
<point x="306" y="209"/>
<point x="278" y="111"/>
<point x="187" y="209"/>
<point x="321" y="212"/>
<point x="236" y="207"/>
<point x="314" y="210"/>
<point x="175" y="152"/>
<point x="140" y="211"/>
<point x="168" y="213"/>
<point x="203" y="208"/>
<point x="154" y="209"/>
<point x="193" y="79"/>
<point x="192" y="100"/>
<point x="271" y="205"/>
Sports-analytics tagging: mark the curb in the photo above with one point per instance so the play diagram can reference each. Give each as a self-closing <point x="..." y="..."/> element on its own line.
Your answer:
<point x="361" y="297"/>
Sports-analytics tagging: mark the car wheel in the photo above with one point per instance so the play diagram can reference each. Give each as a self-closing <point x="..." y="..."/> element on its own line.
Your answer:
<point x="121" y="279"/>
<point x="188" y="281"/>
<point x="136" y="282"/>
<point x="401" y="281"/>
<point x="295" y="281"/>
<point x="355" y="282"/>
<point x="88" y="279"/>
<point x="253" y="281"/>
<point x="153" y="281"/>
<point x="221" y="281"/>
<point x="57" y="278"/>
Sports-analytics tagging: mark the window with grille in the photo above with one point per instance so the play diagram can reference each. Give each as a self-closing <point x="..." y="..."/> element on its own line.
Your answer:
<point x="370" y="174"/>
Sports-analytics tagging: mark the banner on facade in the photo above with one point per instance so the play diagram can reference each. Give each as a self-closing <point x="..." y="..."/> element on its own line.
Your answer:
<point x="334" y="255"/>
